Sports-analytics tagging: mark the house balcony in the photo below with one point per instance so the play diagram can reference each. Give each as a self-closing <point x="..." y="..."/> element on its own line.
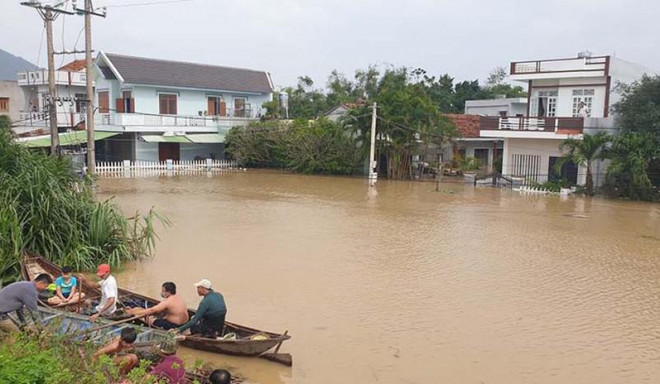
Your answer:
<point x="560" y="68"/>
<point x="42" y="119"/>
<point x="141" y="122"/>
<point x="40" y="77"/>
<point x="531" y="127"/>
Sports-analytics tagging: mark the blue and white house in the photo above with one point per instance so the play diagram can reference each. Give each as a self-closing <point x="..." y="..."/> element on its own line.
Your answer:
<point x="164" y="109"/>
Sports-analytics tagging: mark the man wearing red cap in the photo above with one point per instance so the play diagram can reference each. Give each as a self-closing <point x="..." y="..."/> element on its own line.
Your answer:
<point x="108" y="285"/>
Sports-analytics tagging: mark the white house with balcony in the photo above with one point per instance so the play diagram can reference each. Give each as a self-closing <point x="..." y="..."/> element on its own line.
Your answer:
<point x="174" y="110"/>
<point x="70" y="99"/>
<point x="557" y="88"/>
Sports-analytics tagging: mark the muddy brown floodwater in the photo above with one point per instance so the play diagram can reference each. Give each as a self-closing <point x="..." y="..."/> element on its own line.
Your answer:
<point x="407" y="285"/>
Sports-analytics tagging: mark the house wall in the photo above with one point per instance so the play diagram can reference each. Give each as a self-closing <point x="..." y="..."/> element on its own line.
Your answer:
<point x="11" y="90"/>
<point x="622" y="71"/>
<point x="470" y="146"/>
<point x="189" y="102"/>
<point x="565" y="87"/>
<point x="190" y="151"/>
<point x="495" y="106"/>
<point x="146" y="151"/>
<point x="545" y="149"/>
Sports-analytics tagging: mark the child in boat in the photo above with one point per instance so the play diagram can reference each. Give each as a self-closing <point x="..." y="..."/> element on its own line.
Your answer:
<point x="66" y="289"/>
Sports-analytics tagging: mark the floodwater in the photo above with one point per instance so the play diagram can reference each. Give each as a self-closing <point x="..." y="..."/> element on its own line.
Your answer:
<point x="403" y="284"/>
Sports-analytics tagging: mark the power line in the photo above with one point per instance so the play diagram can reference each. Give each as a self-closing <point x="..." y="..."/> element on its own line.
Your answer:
<point x="149" y="3"/>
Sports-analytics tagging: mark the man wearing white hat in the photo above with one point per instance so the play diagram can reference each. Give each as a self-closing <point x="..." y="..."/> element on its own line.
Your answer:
<point x="209" y="320"/>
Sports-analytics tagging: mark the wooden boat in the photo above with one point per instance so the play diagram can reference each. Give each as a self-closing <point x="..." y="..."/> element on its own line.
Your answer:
<point x="62" y="322"/>
<point x="248" y="341"/>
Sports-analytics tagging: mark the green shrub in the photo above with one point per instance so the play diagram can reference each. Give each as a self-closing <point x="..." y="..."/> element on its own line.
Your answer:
<point x="46" y="208"/>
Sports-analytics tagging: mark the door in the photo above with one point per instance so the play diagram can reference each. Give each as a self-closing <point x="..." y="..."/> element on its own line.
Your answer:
<point x="481" y="154"/>
<point x="568" y="172"/>
<point x="168" y="151"/>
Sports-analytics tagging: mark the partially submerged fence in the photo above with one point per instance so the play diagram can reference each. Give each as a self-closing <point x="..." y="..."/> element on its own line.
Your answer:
<point x="129" y="168"/>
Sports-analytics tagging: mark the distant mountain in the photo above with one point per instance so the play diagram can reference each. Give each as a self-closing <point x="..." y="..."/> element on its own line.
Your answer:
<point x="10" y="64"/>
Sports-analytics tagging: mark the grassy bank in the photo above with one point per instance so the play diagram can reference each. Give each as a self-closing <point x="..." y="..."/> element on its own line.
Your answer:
<point x="48" y="209"/>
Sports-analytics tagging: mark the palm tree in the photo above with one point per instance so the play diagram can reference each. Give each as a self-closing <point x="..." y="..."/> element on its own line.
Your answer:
<point x="584" y="152"/>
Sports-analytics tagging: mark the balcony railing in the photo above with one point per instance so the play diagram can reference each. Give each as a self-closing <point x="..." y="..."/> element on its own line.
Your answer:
<point x="153" y="120"/>
<point x="539" y="124"/>
<point x="42" y="119"/>
<point x="40" y="77"/>
<point x="586" y="64"/>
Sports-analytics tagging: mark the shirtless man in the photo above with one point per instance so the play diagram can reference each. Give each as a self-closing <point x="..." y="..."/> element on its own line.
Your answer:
<point x="118" y="348"/>
<point x="174" y="310"/>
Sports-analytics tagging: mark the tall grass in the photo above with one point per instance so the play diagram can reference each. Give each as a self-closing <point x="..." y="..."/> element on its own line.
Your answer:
<point x="46" y="208"/>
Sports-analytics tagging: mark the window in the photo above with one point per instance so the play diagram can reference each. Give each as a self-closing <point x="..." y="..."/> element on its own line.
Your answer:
<point x="216" y="106"/>
<point x="80" y="102"/>
<point x="128" y="102"/>
<point x="239" y="106"/>
<point x="585" y="96"/>
<point x="545" y="104"/>
<point x="104" y="102"/>
<point x="4" y="104"/>
<point x="167" y="103"/>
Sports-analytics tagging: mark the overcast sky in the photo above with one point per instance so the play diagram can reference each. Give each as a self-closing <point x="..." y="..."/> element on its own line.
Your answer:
<point x="289" y="38"/>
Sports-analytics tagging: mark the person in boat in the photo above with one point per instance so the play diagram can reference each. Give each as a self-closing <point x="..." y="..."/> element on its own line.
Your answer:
<point x="173" y="309"/>
<point x="109" y="294"/>
<point x="120" y="348"/>
<point x="209" y="320"/>
<point x="220" y="376"/>
<point x="18" y="296"/>
<point x="66" y="289"/>
<point x="171" y="369"/>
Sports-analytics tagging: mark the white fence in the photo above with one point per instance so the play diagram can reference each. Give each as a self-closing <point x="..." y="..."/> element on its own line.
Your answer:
<point x="129" y="168"/>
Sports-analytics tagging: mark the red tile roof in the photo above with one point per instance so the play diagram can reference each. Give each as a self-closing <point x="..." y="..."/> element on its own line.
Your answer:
<point x="74" y="66"/>
<point x="468" y="125"/>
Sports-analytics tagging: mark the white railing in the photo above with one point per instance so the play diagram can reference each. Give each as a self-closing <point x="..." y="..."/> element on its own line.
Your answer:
<point x="154" y="120"/>
<point x="565" y="65"/>
<point x="42" y="119"/>
<point x="40" y="77"/>
<point x="129" y="168"/>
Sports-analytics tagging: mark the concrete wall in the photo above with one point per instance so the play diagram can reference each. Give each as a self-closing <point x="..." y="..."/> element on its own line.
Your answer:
<point x="622" y="71"/>
<point x="493" y="107"/>
<point x="564" y="88"/>
<point x="544" y="148"/>
<point x="190" y="151"/>
<point x="11" y="90"/>
<point x="189" y="102"/>
<point x="146" y="151"/>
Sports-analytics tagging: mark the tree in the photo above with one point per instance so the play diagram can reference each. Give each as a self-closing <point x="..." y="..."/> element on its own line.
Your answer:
<point x="496" y="77"/>
<point x="584" y="152"/>
<point x="636" y="152"/>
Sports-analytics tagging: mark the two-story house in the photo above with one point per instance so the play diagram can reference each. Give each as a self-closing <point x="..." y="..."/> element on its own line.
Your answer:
<point x="557" y="88"/>
<point x="172" y="110"/>
<point x="70" y="81"/>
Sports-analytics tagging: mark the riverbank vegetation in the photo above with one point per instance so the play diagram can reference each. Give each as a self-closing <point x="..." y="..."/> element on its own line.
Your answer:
<point x="48" y="209"/>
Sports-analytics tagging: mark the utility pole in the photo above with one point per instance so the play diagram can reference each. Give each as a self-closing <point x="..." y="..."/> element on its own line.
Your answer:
<point x="49" y="14"/>
<point x="89" y="119"/>
<point x="372" y="151"/>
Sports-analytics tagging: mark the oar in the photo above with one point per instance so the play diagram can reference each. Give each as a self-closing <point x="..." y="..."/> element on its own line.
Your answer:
<point x="282" y="358"/>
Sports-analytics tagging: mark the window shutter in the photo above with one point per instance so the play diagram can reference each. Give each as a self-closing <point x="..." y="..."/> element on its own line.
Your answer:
<point x="119" y="105"/>
<point x="211" y="106"/>
<point x="223" y="108"/>
<point x="131" y="103"/>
